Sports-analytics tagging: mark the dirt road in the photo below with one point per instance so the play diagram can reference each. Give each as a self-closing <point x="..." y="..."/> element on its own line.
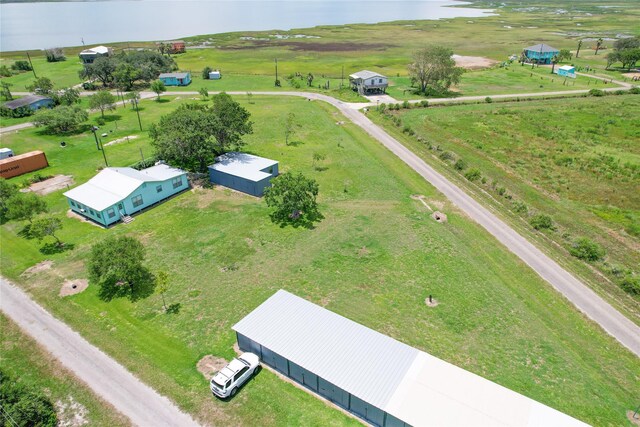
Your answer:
<point x="107" y="378"/>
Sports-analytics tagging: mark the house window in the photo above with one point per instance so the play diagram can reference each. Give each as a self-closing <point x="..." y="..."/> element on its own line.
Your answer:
<point x="137" y="201"/>
<point x="91" y="212"/>
<point x="111" y="213"/>
<point x="99" y="215"/>
<point x="177" y="182"/>
<point x="72" y="204"/>
<point x="159" y="189"/>
<point x="380" y="81"/>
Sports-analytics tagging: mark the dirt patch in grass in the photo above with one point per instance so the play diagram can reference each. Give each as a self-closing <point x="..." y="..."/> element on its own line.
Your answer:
<point x="72" y="287"/>
<point x="439" y="216"/>
<point x="38" y="268"/>
<point x="209" y="365"/>
<point x="71" y="413"/>
<point x="119" y="140"/>
<point x="473" y="62"/>
<point x="635" y="421"/>
<point x="50" y="185"/>
<point x="431" y="303"/>
<point x="72" y="214"/>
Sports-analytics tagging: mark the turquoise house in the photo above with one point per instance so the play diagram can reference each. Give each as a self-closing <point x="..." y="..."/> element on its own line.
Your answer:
<point x="540" y="53"/>
<point x="117" y="193"/>
<point x="175" y="79"/>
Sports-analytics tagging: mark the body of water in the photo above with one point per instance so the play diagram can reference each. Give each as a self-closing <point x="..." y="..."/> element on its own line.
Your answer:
<point x="58" y="24"/>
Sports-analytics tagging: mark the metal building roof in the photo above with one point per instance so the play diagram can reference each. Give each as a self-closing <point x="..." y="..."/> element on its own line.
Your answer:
<point x="365" y="74"/>
<point x="98" y="50"/>
<point x="409" y="384"/>
<point x="24" y="101"/>
<point x="243" y="165"/>
<point x="357" y="359"/>
<point x="176" y="75"/>
<point x="112" y="185"/>
<point x="544" y="48"/>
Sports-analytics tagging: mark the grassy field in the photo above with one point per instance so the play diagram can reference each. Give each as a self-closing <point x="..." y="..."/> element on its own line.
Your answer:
<point x="246" y="59"/>
<point x="576" y="160"/>
<point x="374" y="258"/>
<point x="23" y="359"/>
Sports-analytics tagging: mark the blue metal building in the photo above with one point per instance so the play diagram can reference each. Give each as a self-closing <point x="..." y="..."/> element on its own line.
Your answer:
<point x="243" y="172"/>
<point x="117" y="193"/>
<point x="175" y="79"/>
<point x="540" y="53"/>
<point x="34" y="102"/>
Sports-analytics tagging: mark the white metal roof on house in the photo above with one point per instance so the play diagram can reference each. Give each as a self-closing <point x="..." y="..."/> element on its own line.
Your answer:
<point x="567" y="68"/>
<point x="544" y="48"/>
<point x="365" y="74"/>
<point x="112" y="185"/>
<point x="407" y="383"/>
<point x="244" y="165"/>
<point x="98" y="50"/>
<point x="176" y="75"/>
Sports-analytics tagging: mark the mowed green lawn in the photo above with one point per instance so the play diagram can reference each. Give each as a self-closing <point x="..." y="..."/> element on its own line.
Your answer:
<point x="26" y="362"/>
<point x="374" y="259"/>
<point x="577" y="160"/>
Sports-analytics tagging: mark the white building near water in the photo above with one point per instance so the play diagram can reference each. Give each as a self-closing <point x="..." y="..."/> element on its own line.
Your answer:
<point x="381" y="380"/>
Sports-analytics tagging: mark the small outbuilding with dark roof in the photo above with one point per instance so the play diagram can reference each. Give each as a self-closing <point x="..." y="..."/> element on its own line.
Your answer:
<point x="243" y="172"/>
<point x="34" y="102"/>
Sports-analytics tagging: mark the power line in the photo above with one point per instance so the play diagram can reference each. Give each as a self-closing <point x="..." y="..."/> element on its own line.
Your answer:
<point x="8" y="417"/>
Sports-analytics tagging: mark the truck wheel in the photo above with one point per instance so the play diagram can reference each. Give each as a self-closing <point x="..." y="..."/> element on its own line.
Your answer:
<point x="234" y="391"/>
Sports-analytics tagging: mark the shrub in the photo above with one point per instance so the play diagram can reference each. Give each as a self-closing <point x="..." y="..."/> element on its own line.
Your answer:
<point x="21" y="66"/>
<point x="596" y="92"/>
<point x="542" y="222"/>
<point x="520" y="207"/>
<point x="424" y="103"/>
<point x="460" y="165"/>
<point x="55" y="55"/>
<point x="501" y="191"/>
<point x="89" y="86"/>
<point x="631" y="285"/>
<point x="587" y="250"/>
<point x="5" y="71"/>
<point x="488" y="100"/>
<point x="406" y="105"/>
<point x="635" y="90"/>
<point x="446" y="155"/>
<point x="205" y="72"/>
<point x="473" y="175"/>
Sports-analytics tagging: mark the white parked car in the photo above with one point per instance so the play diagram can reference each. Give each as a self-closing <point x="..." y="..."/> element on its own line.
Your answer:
<point x="226" y="382"/>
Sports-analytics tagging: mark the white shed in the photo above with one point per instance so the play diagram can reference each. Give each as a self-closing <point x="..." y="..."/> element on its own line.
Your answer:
<point x="5" y="153"/>
<point x="215" y="75"/>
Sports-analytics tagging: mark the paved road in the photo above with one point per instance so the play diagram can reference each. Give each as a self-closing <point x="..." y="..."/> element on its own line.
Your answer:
<point x="108" y="379"/>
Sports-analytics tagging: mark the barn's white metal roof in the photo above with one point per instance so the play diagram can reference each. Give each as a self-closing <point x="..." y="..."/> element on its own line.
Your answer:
<point x="111" y="185"/>
<point x="243" y="165"/>
<point x="98" y="50"/>
<point x="365" y="74"/>
<point x="407" y="383"/>
<point x="567" y="68"/>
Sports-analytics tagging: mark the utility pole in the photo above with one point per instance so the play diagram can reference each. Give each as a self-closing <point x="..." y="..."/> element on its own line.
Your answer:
<point x="31" y="63"/>
<point x="277" y="81"/>
<point x="94" y="129"/>
<point x="342" y="78"/>
<point x="104" y="155"/>
<point x="135" y="102"/>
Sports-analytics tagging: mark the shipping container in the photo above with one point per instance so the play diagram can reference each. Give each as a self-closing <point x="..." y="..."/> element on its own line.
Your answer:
<point x="22" y="163"/>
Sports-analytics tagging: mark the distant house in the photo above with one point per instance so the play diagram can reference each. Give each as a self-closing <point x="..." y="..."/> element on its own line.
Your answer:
<point x="368" y="82"/>
<point x="540" y="53"/>
<point x="87" y="56"/>
<point x="34" y="102"/>
<point x="176" y="46"/>
<point x="5" y="153"/>
<point x="215" y="75"/>
<point x="116" y="193"/>
<point x="567" y="71"/>
<point x="175" y="79"/>
<point x="243" y="172"/>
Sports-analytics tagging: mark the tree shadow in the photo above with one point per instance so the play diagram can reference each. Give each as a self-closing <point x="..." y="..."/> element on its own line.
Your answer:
<point x="141" y="285"/>
<point x="163" y="100"/>
<point x="77" y="131"/>
<point x="301" y="221"/>
<point x="295" y="143"/>
<point x="321" y="168"/>
<point x="55" y="248"/>
<point x="112" y="117"/>
<point x="174" y="308"/>
<point x="25" y="233"/>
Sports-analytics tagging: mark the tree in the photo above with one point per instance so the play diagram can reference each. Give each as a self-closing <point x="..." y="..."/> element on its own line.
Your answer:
<point x="61" y="119"/>
<point x="564" y="55"/>
<point x="627" y="43"/>
<point x="158" y="87"/>
<point x="5" y="92"/>
<point x="69" y="96"/>
<point x="205" y="72"/>
<point x="134" y="97"/>
<point x="43" y="227"/>
<point x="115" y="265"/>
<point x="7" y="190"/>
<point x="599" y="44"/>
<point x="309" y="79"/>
<point x="294" y="199"/>
<point x="102" y="100"/>
<point x="579" y="46"/>
<point x="163" y="286"/>
<point x="41" y="86"/>
<point x="290" y="127"/>
<point x="125" y="76"/>
<point x="554" y="61"/>
<point x="433" y="67"/>
<point x="55" y="55"/>
<point x="204" y="93"/>
<point x="21" y="66"/>
<point x="101" y="69"/>
<point x="232" y="123"/>
<point x="317" y="158"/>
<point x="24" y="206"/>
<point x="23" y="406"/>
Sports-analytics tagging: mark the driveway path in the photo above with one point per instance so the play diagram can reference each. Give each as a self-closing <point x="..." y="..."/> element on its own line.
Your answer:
<point x="107" y="378"/>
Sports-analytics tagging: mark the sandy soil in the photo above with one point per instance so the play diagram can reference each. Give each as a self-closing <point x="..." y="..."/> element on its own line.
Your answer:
<point x="72" y="214"/>
<point x="71" y="413"/>
<point x="72" y="287"/>
<point x="210" y="364"/>
<point x="38" y="268"/>
<point x="473" y="62"/>
<point x="119" y="140"/>
<point x="439" y="216"/>
<point x="433" y="303"/>
<point x="50" y="185"/>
